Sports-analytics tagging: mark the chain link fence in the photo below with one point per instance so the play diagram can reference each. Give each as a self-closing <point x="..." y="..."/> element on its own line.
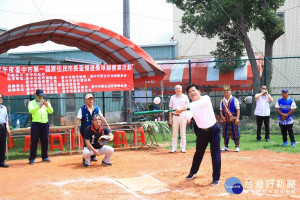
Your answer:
<point x="203" y="72"/>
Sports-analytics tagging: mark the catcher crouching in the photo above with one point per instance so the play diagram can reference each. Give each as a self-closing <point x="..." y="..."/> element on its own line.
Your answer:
<point x="95" y="137"/>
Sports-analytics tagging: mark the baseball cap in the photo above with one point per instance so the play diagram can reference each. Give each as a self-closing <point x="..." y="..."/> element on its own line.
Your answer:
<point x="39" y="92"/>
<point x="285" y="90"/>
<point x="89" y="96"/>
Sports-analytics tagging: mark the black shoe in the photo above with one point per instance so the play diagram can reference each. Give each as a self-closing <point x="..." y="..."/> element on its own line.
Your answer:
<point x="106" y="164"/>
<point x="214" y="183"/>
<point x="267" y="139"/>
<point x="190" y="176"/>
<point x="258" y="140"/>
<point x="3" y="164"/>
<point x="94" y="159"/>
<point x="86" y="165"/>
<point x="46" y="160"/>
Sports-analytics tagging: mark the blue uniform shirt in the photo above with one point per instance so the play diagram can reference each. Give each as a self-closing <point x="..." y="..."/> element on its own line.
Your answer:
<point x="86" y="119"/>
<point x="234" y="105"/>
<point x="285" y="106"/>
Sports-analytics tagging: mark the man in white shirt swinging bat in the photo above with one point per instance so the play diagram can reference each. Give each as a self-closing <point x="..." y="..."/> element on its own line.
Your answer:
<point x="207" y="130"/>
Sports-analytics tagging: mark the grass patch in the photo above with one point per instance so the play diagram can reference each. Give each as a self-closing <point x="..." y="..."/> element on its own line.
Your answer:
<point x="17" y="152"/>
<point x="247" y="143"/>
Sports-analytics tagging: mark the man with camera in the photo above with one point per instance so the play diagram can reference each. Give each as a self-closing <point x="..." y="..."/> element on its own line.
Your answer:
<point x="39" y="108"/>
<point x="262" y="112"/>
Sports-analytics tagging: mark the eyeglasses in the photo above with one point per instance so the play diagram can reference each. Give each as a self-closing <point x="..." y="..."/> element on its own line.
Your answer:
<point x="190" y="92"/>
<point x="264" y="88"/>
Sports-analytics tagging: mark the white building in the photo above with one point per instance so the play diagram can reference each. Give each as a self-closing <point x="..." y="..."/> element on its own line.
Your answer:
<point x="190" y="45"/>
<point x="286" y="72"/>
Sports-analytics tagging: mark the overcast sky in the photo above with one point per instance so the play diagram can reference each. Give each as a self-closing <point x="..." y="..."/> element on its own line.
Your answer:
<point x="150" y="20"/>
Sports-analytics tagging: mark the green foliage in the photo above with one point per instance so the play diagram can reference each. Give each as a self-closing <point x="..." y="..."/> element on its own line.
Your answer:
<point x="231" y="20"/>
<point x="208" y="19"/>
<point x="270" y="24"/>
<point x="157" y="127"/>
<point x="228" y="49"/>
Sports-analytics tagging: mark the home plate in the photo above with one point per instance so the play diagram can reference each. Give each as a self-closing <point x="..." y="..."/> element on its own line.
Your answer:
<point x="144" y="184"/>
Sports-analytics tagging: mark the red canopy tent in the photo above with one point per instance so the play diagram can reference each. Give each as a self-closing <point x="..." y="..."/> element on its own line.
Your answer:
<point x="203" y="74"/>
<point x="103" y="43"/>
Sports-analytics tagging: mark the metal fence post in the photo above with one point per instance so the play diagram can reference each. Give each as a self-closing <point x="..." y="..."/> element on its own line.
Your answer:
<point x="103" y="104"/>
<point x="190" y="72"/>
<point x="265" y="71"/>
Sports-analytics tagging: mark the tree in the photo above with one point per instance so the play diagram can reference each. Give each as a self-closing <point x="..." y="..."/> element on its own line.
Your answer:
<point x="228" y="49"/>
<point x="231" y="21"/>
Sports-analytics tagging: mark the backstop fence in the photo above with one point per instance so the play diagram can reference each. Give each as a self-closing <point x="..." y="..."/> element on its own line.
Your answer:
<point x="282" y="73"/>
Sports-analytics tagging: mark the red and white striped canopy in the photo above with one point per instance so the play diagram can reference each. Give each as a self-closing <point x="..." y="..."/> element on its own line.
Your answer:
<point x="103" y="43"/>
<point x="205" y="75"/>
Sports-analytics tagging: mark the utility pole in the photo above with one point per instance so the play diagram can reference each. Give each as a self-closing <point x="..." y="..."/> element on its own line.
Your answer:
<point x="126" y="19"/>
<point x="126" y="33"/>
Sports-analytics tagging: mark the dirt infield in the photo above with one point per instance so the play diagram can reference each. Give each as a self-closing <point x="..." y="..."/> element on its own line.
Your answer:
<point x="66" y="178"/>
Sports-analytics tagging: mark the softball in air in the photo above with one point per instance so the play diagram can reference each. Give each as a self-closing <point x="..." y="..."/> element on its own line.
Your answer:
<point x="156" y="100"/>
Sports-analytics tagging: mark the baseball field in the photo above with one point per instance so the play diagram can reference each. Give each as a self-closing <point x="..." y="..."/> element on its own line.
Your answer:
<point x="152" y="174"/>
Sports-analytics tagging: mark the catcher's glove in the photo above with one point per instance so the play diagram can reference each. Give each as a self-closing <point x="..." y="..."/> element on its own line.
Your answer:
<point x="103" y="139"/>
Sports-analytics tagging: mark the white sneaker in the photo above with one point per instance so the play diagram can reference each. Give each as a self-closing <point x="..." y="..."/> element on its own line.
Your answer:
<point x="183" y="150"/>
<point x="237" y="149"/>
<point x="225" y="149"/>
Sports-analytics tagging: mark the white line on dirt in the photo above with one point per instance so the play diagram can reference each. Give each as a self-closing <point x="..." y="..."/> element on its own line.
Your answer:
<point x="183" y="192"/>
<point x="223" y="194"/>
<point x="98" y="179"/>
